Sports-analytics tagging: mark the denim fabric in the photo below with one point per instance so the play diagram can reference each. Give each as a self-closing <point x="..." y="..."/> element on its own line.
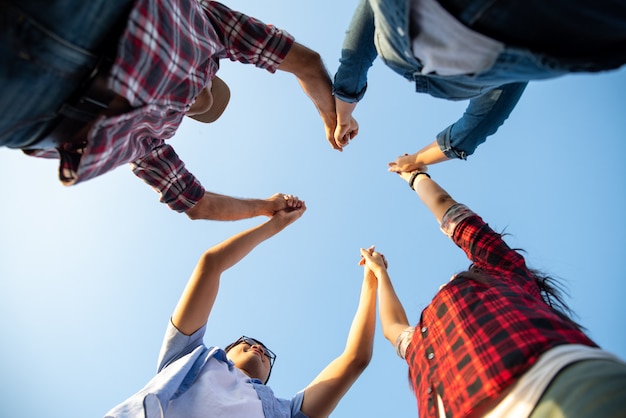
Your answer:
<point x="380" y="28"/>
<point x="579" y="35"/>
<point x="48" y="49"/>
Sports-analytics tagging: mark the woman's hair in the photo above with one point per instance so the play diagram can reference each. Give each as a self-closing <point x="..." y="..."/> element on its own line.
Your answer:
<point x="551" y="289"/>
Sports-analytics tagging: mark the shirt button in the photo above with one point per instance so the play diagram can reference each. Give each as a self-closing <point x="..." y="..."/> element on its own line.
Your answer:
<point x="430" y="390"/>
<point x="431" y="356"/>
<point x="424" y="329"/>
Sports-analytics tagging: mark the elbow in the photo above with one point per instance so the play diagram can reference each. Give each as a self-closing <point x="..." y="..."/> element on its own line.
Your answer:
<point x="303" y="62"/>
<point x="308" y="56"/>
<point x="192" y="215"/>
<point x="361" y="360"/>
<point x="390" y="337"/>
<point x="210" y="262"/>
<point x="198" y="211"/>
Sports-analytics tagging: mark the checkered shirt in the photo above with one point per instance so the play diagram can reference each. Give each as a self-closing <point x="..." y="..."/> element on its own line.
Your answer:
<point x="168" y="53"/>
<point x="475" y="339"/>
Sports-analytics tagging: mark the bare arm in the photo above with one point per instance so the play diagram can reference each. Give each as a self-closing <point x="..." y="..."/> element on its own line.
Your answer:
<point x="219" y="207"/>
<point x="430" y="154"/>
<point x="314" y="79"/>
<point x="326" y="390"/>
<point x="196" y="301"/>
<point x="392" y="314"/>
<point x="483" y="116"/>
<point x="436" y="199"/>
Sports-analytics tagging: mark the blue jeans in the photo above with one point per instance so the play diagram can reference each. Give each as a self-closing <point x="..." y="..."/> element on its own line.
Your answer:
<point x="47" y="50"/>
<point x="578" y="35"/>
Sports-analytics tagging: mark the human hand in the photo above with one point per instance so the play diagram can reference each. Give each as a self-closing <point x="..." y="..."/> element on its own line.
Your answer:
<point x="280" y="201"/>
<point x="373" y="261"/>
<point x="407" y="163"/>
<point x="347" y="127"/>
<point x="290" y="214"/>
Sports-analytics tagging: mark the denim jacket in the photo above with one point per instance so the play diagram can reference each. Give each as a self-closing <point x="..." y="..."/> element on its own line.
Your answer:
<point x="381" y="28"/>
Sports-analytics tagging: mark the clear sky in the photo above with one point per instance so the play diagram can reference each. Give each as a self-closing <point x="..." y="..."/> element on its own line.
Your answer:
<point x="89" y="274"/>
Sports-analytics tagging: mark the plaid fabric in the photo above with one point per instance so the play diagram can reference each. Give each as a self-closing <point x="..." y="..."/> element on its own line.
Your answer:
<point x="166" y="56"/>
<point x="475" y="339"/>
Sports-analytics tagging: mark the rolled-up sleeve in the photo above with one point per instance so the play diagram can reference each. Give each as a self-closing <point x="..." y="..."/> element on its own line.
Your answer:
<point x="248" y="40"/>
<point x="482" y="118"/>
<point x="357" y="56"/>
<point x="483" y="246"/>
<point x="403" y="341"/>
<point x="165" y="172"/>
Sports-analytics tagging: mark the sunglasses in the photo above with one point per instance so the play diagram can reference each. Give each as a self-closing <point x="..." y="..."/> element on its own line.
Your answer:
<point x="251" y="341"/>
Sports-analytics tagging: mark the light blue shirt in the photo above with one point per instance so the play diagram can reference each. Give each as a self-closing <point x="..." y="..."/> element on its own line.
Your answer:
<point x="181" y="361"/>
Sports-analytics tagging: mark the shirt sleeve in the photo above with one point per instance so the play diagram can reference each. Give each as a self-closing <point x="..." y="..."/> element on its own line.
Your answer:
<point x="358" y="53"/>
<point x="176" y="345"/>
<point x="403" y="341"/>
<point x="483" y="116"/>
<point x="296" y="405"/>
<point x="483" y="246"/>
<point x="247" y="39"/>
<point x="165" y="172"/>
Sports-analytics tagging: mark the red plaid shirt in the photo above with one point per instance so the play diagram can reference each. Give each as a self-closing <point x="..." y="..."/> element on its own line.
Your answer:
<point x="475" y="339"/>
<point x="166" y="56"/>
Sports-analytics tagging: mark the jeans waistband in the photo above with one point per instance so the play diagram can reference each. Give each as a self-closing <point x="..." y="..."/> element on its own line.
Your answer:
<point x="79" y="111"/>
<point x="87" y="96"/>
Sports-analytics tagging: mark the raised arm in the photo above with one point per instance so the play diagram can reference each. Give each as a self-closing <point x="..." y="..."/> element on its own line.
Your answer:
<point x="166" y="173"/>
<point x="309" y="69"/>
<point x="213" y="206"/>
<point x="436" y="199"/>
<point x="198" y="297"/>
<point x="358" y="53"/>
<point x="430" y="154"/>
<point x="482" y="118"/>
<point x="325" y="391"/>
<point x="392" y="314"/>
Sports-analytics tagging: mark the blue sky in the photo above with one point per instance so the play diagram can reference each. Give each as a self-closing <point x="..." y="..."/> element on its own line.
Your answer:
<point x="91" y="273"/>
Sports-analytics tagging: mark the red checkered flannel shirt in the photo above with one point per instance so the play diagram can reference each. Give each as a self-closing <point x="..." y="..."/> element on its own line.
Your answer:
<point x="475" y="339"/>
<point x="166" y="56"/>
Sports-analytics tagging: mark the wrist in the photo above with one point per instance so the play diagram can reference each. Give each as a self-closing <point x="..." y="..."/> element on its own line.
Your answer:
<point x="416" y="177"/>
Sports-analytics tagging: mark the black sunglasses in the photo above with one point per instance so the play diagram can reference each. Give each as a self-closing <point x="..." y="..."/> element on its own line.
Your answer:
<point x="252" y="341"/>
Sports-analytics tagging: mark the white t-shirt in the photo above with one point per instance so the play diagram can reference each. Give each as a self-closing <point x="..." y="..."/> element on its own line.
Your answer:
<point x="445" y="46"/>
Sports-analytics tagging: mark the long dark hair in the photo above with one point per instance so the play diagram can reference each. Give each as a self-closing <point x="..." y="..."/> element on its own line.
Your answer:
<point x="553" y="291"/>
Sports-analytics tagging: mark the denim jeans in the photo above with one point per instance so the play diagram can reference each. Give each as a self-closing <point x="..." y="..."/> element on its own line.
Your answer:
<point x="577" y="35"/>
<point x="47" y="50"/>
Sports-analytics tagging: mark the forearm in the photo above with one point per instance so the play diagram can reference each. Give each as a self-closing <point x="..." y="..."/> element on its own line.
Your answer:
<point x="436" y="199"/>
<point x="325" y="391"/>
<point x="198" y="297"/>
<point x="230" y="251"/>
<point x="360" y="341"/>
<point x="430" y="154"/>
<point x="218" y="207"/>
<point x="313" y="77"/>
<point x="392" y="314"/>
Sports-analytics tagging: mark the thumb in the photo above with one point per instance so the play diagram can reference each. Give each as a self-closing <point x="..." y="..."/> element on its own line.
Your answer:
<point x="364" y="256"/>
